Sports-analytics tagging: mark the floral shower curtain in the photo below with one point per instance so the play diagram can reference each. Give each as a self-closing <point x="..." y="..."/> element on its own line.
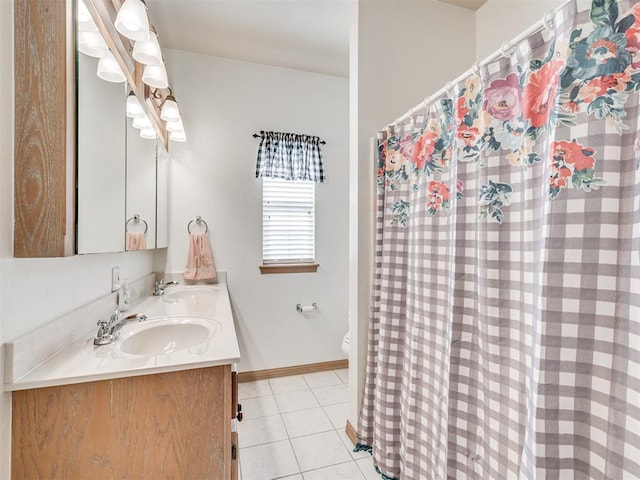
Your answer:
<point x="505" y="326"/>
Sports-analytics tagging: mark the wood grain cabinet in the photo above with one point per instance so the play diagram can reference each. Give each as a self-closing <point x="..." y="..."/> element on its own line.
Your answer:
<point x="170" y="425"/>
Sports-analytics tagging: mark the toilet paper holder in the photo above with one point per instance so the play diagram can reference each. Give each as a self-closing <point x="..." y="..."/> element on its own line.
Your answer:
<point x="306" y="308"/>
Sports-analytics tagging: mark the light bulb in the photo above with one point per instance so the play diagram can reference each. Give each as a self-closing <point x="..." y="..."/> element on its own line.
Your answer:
<point x="92" y="44"/>
<point x="134" y="109"/>
<point x="155" y="76"/>
<point x="109" y="70"/>
<point x="148" y="51"/>
<point x="142" y="123"/>
<point x="178" y="136"/>
<point x="83" y="13"/>
<point x="148" y="133"/>
<point x="176" y="126"/>
<point x="132" y="20"/>
<point x="170" y="112"/>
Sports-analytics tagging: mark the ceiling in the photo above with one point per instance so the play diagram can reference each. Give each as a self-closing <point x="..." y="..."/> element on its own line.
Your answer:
<point x="468" y="4"/>
<point x="311" y="35"/>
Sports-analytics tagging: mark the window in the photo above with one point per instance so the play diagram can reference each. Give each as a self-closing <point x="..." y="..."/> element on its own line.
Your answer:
<point x="288" y="224"/>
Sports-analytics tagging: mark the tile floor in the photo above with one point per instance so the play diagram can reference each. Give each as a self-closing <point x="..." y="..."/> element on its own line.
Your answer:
<point x="293" y="429"/>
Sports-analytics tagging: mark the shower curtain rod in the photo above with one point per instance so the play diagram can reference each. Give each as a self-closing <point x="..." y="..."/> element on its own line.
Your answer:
<point x="506" y="49"/>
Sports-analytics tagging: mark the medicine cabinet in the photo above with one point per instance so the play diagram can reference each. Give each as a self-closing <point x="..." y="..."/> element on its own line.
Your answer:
<point x="116" y="174"/>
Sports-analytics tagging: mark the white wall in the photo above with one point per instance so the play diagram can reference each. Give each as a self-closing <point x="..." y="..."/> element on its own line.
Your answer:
<point x="499" y="21"/>
<point x="35" y="291"/>
<point x="213" y="175"/>
<point x="404" y="51"/>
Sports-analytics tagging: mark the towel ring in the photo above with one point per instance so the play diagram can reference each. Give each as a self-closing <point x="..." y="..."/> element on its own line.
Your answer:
<point x="136" y="218"/>
<point x="198" y="220"/>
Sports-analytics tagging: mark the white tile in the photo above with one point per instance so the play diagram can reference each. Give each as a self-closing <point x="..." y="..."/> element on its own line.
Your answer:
<point x="343" y="374"/>
<point x="292" y="477"/>
<point x="294" y="401"/>
<point x="367" y="468"/>
<point x="343" y="471"/>
<point x="288" y="384"/>
<point x="322" y="379"/>
<point x="306" y="422"/>
<point x="331" y="395"/>
<point x="337" y="413"/>
<point x="258" y="388"/>
<point x="257" y="431"/>
<point x="350" y="446"/>
<point x="259" y="407"/>
<point x="265" y="462"/>
<point x="319" y="450"/>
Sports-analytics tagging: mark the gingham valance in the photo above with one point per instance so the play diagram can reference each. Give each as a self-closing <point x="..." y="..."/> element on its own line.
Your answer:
<point x="290" y="156"/>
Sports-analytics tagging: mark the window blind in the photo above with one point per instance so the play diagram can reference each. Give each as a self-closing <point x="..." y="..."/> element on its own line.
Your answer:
<point x="288" y="221"/>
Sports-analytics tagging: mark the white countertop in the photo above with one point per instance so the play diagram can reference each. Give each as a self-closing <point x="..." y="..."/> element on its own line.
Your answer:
<point x="81" y="361"/>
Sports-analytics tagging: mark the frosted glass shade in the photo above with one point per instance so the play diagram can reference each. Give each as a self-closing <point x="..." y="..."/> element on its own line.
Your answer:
<point x="176" y="126"/>
<point x="132" y="20"/>
<point x="155" y="76"/>
<point x="148" y="51"/>
<point x="148" y="133"/>
<point x="170" y="112"/>
<point x="92" y="44"/>
<point x="134" y="109"/>
<point x="109" y="70"/>
<point x="178" y="136"/>
<point x="142" y="123"/>
<point x="84" y="20"/>
<point x="88" y="26"/>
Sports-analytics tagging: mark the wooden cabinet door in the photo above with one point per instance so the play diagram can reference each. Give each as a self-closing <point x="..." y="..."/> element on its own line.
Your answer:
<point x="168" y="425"/>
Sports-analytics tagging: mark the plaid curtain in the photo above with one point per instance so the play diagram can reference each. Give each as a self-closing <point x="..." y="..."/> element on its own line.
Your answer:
<point x="290" y="156"/>
<point x="504" y="337"/>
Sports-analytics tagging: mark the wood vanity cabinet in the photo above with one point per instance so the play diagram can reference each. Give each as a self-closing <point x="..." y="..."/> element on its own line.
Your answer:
<point x="168" y="425"/>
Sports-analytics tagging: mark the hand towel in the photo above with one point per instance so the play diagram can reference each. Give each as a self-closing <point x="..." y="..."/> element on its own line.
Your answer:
<point x="200" y="259"/>
<point x="136" y="241"/>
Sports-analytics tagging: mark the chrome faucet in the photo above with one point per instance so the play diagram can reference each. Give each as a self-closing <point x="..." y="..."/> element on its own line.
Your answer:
<point x="160" y="286"/>
<point x="109" y="330"/>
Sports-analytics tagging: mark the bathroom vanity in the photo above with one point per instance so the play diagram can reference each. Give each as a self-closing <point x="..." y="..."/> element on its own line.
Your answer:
<point x="158" y="402"/>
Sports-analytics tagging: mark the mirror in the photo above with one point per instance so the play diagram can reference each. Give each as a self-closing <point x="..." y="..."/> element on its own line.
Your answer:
<point x="140" y="226"/>
<point x="162" y="197"/>
<point x="101" y="160"/>
<point x="121" y="177"/>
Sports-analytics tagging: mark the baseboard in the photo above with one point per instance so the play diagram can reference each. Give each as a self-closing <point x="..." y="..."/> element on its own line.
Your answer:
<point x="351" y="433"/>
<point x="296" y="370"/>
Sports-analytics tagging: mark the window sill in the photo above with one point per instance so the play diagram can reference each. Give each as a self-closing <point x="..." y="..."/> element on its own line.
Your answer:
<point x="289" y="268"/>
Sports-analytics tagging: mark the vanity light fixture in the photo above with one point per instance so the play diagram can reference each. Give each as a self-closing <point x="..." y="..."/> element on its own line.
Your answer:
<point x="132" y="20"/>
<point x="142" y="123"/>
<point x="92" y="44"/>
<point x="148" y="133"/>
<point x="148" y="51"/>
<point x="134" y="109"/>
<point x="109" y="70"/>
<point x="155" y="76"/>
<point x="170" y="112"/>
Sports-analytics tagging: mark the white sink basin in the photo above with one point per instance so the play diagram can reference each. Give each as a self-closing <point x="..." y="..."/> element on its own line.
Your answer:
<point x="168" y="334"/>
<point x="176" y="294"/>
